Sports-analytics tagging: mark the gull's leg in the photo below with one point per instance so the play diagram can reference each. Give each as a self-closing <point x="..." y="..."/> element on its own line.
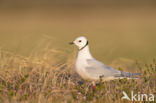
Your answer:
<point x="92" y="86"/>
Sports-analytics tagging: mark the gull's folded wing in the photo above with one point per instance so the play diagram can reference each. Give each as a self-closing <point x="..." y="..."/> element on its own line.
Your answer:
<point x="96" y="69"/>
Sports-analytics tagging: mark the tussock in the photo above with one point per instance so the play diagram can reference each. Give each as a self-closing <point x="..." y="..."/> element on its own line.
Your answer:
<point x="40" y="79"/>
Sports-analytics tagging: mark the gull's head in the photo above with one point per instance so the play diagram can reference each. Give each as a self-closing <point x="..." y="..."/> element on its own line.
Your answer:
<point x="81" y="42"/>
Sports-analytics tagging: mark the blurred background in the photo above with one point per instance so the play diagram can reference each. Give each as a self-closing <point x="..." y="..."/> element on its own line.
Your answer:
<point x="119" y="31"/>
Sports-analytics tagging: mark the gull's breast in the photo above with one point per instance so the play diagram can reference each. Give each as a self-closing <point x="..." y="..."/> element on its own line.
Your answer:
<point x="80" y="69"/>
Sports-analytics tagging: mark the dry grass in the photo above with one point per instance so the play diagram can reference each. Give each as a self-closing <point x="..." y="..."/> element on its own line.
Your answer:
<point x="39" y="79"/>
<point x="118" y="35"/>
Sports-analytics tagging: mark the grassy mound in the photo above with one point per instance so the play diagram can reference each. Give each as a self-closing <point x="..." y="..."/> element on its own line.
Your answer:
<point x="40" y="79"/>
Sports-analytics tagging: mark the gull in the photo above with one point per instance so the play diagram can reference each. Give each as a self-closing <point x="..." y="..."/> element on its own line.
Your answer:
<point x="91" y="69"/>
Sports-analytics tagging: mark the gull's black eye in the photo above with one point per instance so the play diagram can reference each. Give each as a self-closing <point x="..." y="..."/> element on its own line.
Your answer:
<point x="79" y="40"/>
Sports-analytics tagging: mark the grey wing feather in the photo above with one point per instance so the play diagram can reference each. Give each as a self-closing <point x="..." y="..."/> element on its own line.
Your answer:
<point x="97" y="69"/>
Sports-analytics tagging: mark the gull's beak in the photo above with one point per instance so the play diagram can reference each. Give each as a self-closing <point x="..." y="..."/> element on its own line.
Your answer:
<point x="71" y="43"/>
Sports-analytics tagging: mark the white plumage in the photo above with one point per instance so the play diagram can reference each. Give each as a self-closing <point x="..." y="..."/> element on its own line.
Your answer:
<point x="91" y="69"/>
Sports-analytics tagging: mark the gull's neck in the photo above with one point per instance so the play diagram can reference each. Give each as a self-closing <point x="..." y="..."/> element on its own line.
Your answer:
<point x="85" y="53"/>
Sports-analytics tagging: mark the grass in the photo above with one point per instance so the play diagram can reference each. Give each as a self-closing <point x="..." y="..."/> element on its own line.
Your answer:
<point x="36" y="72"/>
<point x="40" y="79"/>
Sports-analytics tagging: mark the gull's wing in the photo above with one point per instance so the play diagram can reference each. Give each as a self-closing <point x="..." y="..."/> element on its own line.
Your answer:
<point x="97" y="69"/>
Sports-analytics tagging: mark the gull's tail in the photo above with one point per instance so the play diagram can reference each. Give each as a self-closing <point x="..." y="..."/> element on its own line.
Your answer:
<point x="131" y="75"/>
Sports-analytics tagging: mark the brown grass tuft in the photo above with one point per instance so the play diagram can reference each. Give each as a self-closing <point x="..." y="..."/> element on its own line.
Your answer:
<point x="40" y="79"/>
